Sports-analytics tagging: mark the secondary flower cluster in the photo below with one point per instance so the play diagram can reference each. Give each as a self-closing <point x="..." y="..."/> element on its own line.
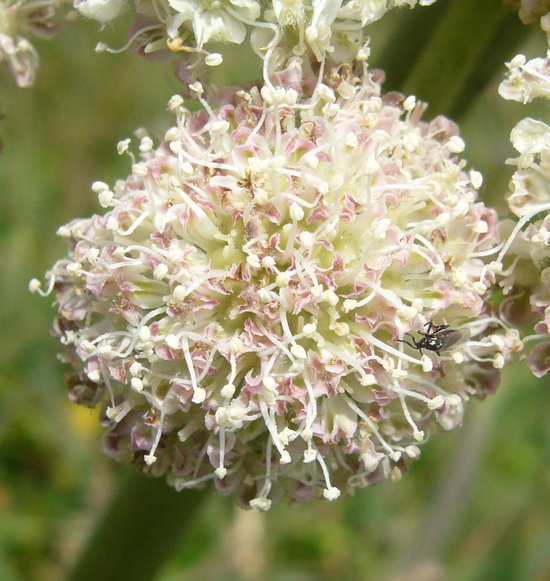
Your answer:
<point x="527" y="276"/>
<point x="18" y="17"/>
<point x="326" y="30"/>
<point x="317" y="30"/>
<point x="237" y="308"/>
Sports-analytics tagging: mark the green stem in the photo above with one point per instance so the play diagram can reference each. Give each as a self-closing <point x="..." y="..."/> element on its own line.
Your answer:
<point x="138" y="531"/>
<point x="409" y="33"/>
<point x="447" y="56"/>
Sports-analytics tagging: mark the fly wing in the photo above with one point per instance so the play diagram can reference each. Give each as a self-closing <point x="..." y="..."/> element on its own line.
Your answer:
<point x="450" y="337"/>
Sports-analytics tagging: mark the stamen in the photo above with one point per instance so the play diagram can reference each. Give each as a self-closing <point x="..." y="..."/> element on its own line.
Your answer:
<point x="135" y="224"/>
<point x="484" y="253"/>
<point x="330" y="492"/>
<point x="180" y="484"/>
<point x="208" y="365"/>
<point x="151" y="458"/>
<point x="107" y="381"/>
<point x="267" y="415"/>
<point x="388" y="349"/>
<point x="430" y="246"/>
<point x="311" y="409"/>
<point x="220" y="470"/>
<point x="189" y="429"/>
<point x="261" y="502"/>
<point x="199" y="394"/>
<point x="34" y="286"/>
<point x="374" y="430"/>
<point x="276" y="341"/>
<point x="418" y="435"/>
<point x="138" y="333"/>
<point x="201" y="456"/>
<point x="102" y="47"/>
<point x="520" y="224"/>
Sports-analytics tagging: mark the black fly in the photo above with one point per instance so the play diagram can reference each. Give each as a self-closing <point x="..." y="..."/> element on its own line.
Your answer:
<point x="438" y="338"/>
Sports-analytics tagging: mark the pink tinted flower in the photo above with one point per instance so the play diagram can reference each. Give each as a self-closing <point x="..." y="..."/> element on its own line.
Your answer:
<point x="539" y="358"/>
<point x="21" y="58"/>
<point x="237" y="309"/>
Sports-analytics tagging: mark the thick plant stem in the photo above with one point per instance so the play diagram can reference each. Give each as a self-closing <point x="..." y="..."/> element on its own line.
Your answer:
<point x="410" y="32"/>
<point x="138" y="532"/>
<point x="457" y="50"/>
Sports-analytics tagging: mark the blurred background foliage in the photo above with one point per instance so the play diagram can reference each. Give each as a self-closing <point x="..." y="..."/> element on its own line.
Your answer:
<point x="474" y="507"/>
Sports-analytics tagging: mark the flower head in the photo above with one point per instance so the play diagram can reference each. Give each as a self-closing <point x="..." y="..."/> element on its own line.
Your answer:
<point x="237" y="308"/>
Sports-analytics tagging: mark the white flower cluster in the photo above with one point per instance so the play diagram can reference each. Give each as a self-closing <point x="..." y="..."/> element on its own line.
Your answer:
<point x="264" y="302"/>
<point x="330" y="30"/>
<point x="526" y="280"/>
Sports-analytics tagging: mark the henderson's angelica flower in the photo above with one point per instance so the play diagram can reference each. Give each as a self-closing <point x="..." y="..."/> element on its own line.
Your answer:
<point x="237" y="308"/>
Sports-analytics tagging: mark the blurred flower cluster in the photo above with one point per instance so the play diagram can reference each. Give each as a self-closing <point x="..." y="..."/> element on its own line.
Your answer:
<point x="530" y="10"/>
<point x="18" y="18"/>
<point x="299" y="284"/>
<point x="527" y="281"/>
